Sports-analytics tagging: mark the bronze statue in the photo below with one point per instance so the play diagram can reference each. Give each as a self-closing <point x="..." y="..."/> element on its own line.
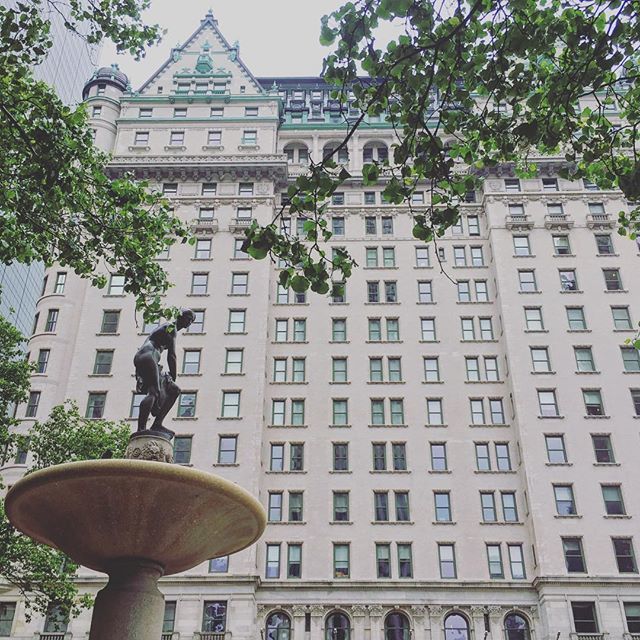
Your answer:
<point x="161" y="389"/>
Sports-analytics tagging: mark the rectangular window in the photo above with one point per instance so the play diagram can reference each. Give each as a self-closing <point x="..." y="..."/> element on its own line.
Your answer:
<point x="604" y="244"/>
<point x="297" y="412"/>
<point x="233" y="361"/>
<point x="612" y="279"/>
<point x="425" y="292"/>
<point x="438" y="451"/>
<point x="230" y="404"/>
<point x="549" y="184"/>
<point x="631" y="612"/>
<point x="483" y="459"/>
<point x="187" y="404"/>
<point x="473" y="369"/>
<point x="547" y="403"/>
<point x="95" y="405"/>
<point x="635" y="398"/>
<point x="477" y="256"/>
<point x="216" y="112"/>
<point x="381" y="506"/>
<point x="239" y="284"/>
<point x="630" y="359"/>
<point x="387" y="225"/>
<point x="371" y="256"/>
<point x="340" y="560"/>
<point x="516" y="561"/>
<point x="370" y="225"/>
<point x="197" y="326"/>
<point x="219" y="565"/>
<point x="402" y="506"/>
<point x="43" y="360"/>
<point x="428" y="329"/>
<point x="521" y="246"/>
<point x="422" y="257"/>
<point x="110" y="321"/>
<point x="180" y="112"/>
<point x="145" y="112"/>
<point x="584" y="359"/>
<point x="102" y="363"/>
<point x="447" y="560"/>
<point x="482" y="292"/>
<point x="237" y="320"/>
<point x="176" y="138"/>
<point x="203" y="249"/>
<point x="488" y="503"/>
<point x="390" y="291"/>
<point x="396" y="411"/>
<point x="584" y="617"/>
<point x="340" y="412"/>
<point x="199" y="284"/>
<point x="540" y="359"/>
<point x="527" y="279"/>
<point x="393" y="329"/>
<point x="434" y="412"/>
<point x="182" y="449"/>
<point x="576" y="319"/>
<point x="141" y="139"/>
<point x="206" y="213"/>
<point x="294" y="560"/>
<point x="431" y="369"/>
<point x="494" y="558"/>
<point x="573" y="555"/>
<point x="337" y="225"/>
<point x="442" y="504"/>
<point x="464" y="292"/>
<point x="383" y="560"/>
<point x="394" y="367"/>
<point x="625" y="555"/>
<point x="340" y="506"/>
<point x="621" y="318"/>
<point x="276" y="458"/>
<point x="603" y="449"/>
<point x="32" y="404"/>
<point x="459" y="256"/>
<point x="476" y="406"/>
<point x="61" y="279"/>
<point x="512" y="185"/>
<point x="227" y="448"/>
<point x="556" y="453"/>
<point x="593" y="402"/>
<point x="405" y="560"/>
<point x="613" y="502"/>
<point x="533" y="319"/>
<point x="274" y="511"/>
<point x="503" y="458"/>
<point x="52" y="320"/>
<point x="568" y="280"/>
<point x="250" y="137"/>
<point x="272" y="569"/>
<point x="339" y="329"/>
<point x="340" y="456"/>
<point x="509" y="507"/>
<point x="565" y="503"/>
<point x="561" y="246"/>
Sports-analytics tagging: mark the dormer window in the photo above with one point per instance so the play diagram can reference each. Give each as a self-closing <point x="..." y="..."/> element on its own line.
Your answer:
<point x="219" y="87"/>
<point x="202" y="87"/>
<point x="102" y="87"/>
<point x="183" y="87"/>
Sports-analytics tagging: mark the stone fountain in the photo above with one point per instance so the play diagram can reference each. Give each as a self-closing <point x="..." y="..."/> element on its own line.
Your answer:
<point x="135" y="519"/>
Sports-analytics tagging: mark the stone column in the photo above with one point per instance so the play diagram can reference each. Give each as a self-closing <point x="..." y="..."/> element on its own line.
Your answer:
<point x="317" y="621"/>
<point x="477" y="621"/>
<point x="418" y="616"/>
<point x="435" y="622"/>
<point x="495" y="621"/>
<point x="298" y="612"/>
<point x="358" y="613"/>
<point x="131" y="601"/>
<point x="375" y="618"/>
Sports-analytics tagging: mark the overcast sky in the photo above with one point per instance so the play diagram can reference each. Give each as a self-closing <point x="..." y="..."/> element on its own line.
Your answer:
<point x="277" y="37"/>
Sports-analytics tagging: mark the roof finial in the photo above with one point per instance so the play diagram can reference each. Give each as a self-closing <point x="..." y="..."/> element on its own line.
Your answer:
<point x="209" y="17"/>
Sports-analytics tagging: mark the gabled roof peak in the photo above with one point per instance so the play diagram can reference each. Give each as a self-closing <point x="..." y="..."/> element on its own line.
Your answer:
<point x="209" y="18"/>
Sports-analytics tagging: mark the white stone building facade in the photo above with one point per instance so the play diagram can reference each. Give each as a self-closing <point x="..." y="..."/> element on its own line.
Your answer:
<point x="443" y="456"/>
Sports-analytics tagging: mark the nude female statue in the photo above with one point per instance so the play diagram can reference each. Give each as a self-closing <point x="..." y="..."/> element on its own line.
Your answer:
<point x="161" y="389"/>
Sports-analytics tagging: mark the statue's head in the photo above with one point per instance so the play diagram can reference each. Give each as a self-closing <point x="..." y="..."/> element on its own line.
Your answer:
<point x="185" y="319"/>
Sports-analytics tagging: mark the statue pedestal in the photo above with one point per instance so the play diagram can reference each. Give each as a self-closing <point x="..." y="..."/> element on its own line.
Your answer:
<point x="135" y="520"/>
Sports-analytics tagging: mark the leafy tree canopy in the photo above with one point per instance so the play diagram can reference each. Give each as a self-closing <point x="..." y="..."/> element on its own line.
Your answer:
<point x="56" y="202"/>
<point x="468" y="85"/>
<point x="42" y="574"/>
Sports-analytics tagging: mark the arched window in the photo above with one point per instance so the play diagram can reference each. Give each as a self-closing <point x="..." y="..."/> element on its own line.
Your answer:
<point x="337" y="626"/>
<point x="516" y="627"/>
<point x="341" y="156"/>
<point x="396" y="627"/>
<point x="375" y="151"/>
<point x="297" y="153"/>
<point x="278" y="626"/>
<point x="456" y="627"/>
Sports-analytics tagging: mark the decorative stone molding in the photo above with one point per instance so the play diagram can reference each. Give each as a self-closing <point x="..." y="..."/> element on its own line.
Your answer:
<point x="317" y="610"/>
<point x="298" y="610"/>
<point x="357" y="610"/>
<point x="147" y="446"/>
<point x="495" y="610"/>
<point x="418" y="610"/>
<point x="375" y="610"/>
<point x="478" y="610"/>
<point x="435" y="611"/>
